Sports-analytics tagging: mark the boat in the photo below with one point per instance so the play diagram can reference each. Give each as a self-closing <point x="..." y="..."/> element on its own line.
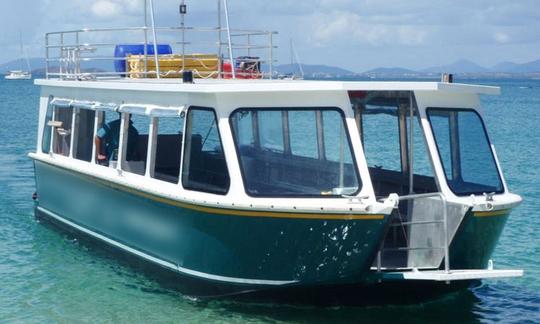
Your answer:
<point x="20" y="74"/>
<point x="208" y="166"/>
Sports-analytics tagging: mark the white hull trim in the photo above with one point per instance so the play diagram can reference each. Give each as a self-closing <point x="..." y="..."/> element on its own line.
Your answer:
<point x="163" y="263"/>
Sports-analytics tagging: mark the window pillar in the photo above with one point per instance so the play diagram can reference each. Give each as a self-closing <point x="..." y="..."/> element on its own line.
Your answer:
<point x="152" y="145"/>
<point x="122" y="144"/>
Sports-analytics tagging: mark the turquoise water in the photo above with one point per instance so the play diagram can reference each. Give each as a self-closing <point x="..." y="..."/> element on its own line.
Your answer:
<point x="47" y="275"/>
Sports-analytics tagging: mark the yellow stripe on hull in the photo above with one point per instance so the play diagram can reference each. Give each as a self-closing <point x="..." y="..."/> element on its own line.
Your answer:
<point x="225" y="211"/>
<point x="502" y="212"/>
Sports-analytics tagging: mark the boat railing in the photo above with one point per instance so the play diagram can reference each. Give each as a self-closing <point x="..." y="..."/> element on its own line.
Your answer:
<point x="444" y="221"/>
<point x="217" y="52"/>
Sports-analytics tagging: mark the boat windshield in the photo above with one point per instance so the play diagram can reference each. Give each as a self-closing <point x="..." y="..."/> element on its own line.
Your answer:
<point x="294" y="152"/>
<point x="465" y="151"/>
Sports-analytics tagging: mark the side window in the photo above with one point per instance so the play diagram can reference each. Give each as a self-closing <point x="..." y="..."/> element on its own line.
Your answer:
<point x="304" y="173"/>
<point x="47" y="129"/>
<point x="108" y="138"/>
<point x="245" y="122"/>
<point x="84" y="140"/>
<point x="440" y="124"/>
<point x="62" y="131"/>
<point x="168" y="149"/>
<point x="270" y="130"/>
<point x="303" y="133"/>
<point x="421" y="160"/>
<point x="335" y="138"/>
<point x="465" y="151"/>
<point x="381" y="137"/>
<point x="204" y="167"/>
<point x="136" y="144"/>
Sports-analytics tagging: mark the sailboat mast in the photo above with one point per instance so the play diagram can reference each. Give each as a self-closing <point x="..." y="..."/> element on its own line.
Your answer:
<point x="21" y="49"/>
<point x="23" y="54"/>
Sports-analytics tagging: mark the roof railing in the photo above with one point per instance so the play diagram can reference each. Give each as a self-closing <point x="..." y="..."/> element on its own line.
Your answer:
<point x="89" y="53"/>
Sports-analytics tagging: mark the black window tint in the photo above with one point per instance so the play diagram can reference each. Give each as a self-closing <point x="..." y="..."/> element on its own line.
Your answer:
<point x="84" y="140"/>
<point x="204" y="167"/>
<point x="168" y="149"/>
<point x="63" y="117"/>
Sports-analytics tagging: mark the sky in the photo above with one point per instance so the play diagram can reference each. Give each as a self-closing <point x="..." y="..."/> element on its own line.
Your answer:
<point x="354" y="34"/>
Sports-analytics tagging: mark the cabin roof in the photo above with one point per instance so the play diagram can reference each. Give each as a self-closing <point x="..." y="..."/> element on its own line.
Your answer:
<point x="246" y="86"/>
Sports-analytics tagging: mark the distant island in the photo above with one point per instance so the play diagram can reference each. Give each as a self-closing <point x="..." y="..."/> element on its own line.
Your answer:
<point x="461" y="68"/>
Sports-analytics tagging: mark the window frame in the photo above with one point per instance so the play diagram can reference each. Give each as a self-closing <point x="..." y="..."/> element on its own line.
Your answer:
<point x="153" y="143"/>
<point x="124" y="135"/>
<point x="304" y="108"/>
<point x="46" y="134"/>
<point x="76" y="133"/>
<point x="182" y="162"/>
<point x="54" y="134"/>
<point x="482" y="123"/>
<point x="398" y="126"/>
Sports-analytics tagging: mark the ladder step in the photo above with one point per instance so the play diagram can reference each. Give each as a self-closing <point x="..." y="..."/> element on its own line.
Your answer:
<point x="416" y="223"/>
<point x="452" y="275"/>
<point x="413" y="248"/>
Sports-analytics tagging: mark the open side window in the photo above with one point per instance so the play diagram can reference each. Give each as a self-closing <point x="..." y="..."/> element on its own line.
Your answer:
<point x="394" y="145"/>
<point x="62" y="128"/>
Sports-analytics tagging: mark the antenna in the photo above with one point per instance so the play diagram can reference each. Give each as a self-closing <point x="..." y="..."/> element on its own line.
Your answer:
<point x="229" y="41"/>
<point x="183" y="12"/>
<point x="153" y="22"/>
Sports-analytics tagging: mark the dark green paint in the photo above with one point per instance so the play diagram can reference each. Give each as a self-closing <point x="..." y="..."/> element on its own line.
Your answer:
<point x="475" y="241"/>
<point x="309" y="251"/>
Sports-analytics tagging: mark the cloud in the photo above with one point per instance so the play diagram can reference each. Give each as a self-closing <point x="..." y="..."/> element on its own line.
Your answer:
<point x="105" y="9"/>
<point x="348" y="27"/>
<point x="409" y="33"/>
<point x="501" y="38"/>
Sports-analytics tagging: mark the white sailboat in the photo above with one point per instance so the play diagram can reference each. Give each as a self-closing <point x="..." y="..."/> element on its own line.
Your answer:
<point x="20" y="74"/>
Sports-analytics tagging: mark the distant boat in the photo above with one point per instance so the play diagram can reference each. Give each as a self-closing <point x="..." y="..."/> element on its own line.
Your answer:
<point x="20" y="74"/>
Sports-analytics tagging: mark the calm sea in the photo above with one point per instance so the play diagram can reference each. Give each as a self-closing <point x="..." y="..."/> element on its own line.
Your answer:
<point x="49" y="276"/>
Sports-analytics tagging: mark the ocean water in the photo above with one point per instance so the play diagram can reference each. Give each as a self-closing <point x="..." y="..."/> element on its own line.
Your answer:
<point x="47" y="275"/>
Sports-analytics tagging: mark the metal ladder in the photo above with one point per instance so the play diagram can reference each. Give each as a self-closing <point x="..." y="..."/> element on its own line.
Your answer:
<point x="444" y="221"/>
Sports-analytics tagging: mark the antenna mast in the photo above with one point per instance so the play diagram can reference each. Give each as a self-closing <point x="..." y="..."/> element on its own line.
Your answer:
<point x="229" y="41"/>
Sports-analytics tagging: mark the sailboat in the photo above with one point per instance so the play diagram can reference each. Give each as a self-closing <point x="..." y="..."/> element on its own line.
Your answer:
<point x="20" y="74"/>
<point x="293" y="75"/>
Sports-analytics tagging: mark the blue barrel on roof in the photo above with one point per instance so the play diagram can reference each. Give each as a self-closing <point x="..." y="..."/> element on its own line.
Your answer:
<point x="123" y="50"/>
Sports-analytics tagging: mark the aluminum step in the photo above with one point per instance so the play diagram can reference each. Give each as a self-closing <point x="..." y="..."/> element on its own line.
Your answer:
<point x="452" y="275"/>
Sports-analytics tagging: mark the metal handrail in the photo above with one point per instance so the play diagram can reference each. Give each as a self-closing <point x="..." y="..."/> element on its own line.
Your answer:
<point x="446" y="246"/>
<point x="67" y="48"/>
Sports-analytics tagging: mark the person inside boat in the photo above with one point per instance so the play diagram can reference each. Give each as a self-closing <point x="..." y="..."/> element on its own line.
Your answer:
<point x="107" y="141"/>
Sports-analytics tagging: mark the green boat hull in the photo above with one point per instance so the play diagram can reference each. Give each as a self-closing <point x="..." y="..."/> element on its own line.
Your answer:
<point x="223" y="246"/>
<point x="476" y="239"/>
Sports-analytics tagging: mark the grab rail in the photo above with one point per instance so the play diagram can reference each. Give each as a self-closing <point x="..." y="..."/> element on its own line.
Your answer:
<point x="446" y="247"/>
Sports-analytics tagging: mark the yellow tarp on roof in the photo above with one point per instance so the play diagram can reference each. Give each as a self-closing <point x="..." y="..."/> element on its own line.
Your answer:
<point x="170" y="66"/>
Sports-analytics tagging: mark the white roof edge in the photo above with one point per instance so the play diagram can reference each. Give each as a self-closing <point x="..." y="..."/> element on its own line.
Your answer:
<point x="230" y="86"/>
